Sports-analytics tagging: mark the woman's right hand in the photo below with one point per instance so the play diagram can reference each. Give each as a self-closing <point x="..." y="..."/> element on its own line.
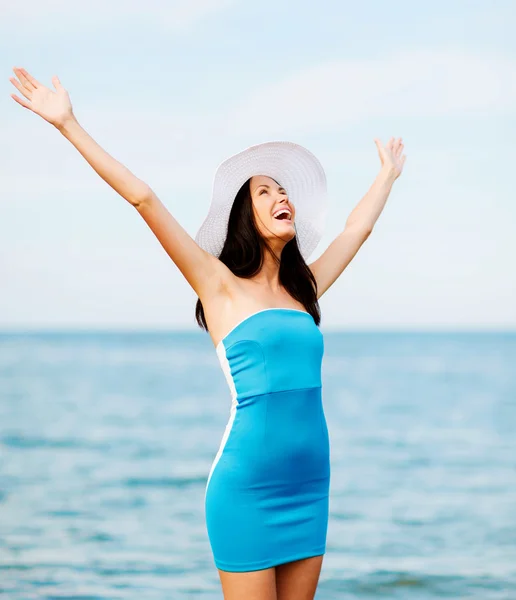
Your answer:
<point x="54" y="107"/>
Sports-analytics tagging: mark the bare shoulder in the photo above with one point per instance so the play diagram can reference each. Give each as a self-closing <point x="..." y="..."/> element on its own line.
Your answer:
<point x="207" y="275"/>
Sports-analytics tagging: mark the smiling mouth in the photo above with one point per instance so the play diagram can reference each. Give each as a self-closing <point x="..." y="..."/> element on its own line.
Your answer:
<point x="284" y="216"/>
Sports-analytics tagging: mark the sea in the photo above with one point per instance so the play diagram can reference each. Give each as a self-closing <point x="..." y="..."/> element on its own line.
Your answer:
<point x="107" y="439"/>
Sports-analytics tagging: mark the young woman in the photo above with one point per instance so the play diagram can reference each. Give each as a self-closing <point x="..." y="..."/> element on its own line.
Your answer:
<point x="267" y="493"/>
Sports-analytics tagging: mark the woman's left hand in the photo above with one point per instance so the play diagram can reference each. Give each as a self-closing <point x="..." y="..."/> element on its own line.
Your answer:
<point x="390" y="156"/>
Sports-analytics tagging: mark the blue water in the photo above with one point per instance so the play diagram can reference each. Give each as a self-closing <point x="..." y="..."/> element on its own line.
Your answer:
<point x="106" y="441"/>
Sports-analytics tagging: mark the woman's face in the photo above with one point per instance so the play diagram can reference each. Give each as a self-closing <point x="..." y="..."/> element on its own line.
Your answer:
<point x="270" y="199"/>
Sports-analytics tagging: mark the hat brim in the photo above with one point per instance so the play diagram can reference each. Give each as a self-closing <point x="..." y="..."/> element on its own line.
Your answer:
<point x="291" y="165"/>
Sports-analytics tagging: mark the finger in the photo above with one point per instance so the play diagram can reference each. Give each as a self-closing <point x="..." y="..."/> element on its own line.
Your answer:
<point x="57" y="83"/>
<point x="24" y="103"/>
<point x="31" y="79"/>
<point x="23" y="79"/>
<point x="20" y="88"/>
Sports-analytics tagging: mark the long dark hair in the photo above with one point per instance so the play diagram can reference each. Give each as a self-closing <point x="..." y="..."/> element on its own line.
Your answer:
<point x="243" y="254"/>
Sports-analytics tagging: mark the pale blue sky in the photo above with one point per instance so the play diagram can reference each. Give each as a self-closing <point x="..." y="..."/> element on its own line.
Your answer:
<point x="172" y="88"/>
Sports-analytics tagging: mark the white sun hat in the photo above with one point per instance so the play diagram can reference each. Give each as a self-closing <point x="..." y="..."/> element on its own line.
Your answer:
<point x="295" y="168"/>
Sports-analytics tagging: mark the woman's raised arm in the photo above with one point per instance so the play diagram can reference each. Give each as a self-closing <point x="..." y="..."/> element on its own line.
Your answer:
<point x="205" y="273"/>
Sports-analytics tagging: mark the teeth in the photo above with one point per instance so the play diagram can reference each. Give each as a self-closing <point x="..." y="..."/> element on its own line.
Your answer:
<point x="280" y="212"/>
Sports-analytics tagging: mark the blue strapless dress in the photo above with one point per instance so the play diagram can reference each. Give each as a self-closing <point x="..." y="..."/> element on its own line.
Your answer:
<point x="267" y="494"/>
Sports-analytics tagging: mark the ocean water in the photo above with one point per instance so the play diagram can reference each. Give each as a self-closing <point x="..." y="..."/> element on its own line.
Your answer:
<point x="106" y="441"/>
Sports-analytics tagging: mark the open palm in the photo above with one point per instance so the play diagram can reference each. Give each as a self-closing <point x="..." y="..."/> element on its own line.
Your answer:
<point x="391" y="155"/>
<point x="54" y="107"/>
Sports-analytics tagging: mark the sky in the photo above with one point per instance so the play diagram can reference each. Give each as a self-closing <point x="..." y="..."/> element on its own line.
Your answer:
<point x="171" y="89"/>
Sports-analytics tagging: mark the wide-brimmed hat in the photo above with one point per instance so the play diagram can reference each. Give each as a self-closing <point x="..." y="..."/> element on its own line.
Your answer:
<point x="295" y="168"/>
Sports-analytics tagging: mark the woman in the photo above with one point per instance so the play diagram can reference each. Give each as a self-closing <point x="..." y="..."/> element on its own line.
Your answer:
<point x="267" y="492"/>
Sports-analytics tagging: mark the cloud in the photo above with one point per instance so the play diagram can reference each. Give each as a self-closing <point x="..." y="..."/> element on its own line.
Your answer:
<point x="172" y="147"/>
<point x="63" y="14"/>
<point x="410" y="84"/>
<point x="177" y="151"/>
